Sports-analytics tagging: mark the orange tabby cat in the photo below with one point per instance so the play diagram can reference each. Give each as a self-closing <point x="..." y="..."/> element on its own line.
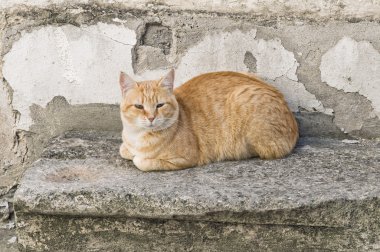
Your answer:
<point x="212" y="117"/>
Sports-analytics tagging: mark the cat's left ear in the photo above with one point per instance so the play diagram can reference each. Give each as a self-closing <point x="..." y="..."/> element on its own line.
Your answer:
<point x="168" y="80"/>
<point x="126" y="82"/>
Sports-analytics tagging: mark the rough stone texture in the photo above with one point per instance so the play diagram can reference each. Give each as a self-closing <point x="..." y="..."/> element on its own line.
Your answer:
<point x="60" y="60"/>
<point x="8" y="237"/>
<point x="159" y="36"/>
<point x="81" y="194"/>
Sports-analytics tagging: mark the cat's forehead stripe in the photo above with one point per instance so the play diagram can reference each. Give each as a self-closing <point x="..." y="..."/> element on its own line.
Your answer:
<point x="149" y="92"/>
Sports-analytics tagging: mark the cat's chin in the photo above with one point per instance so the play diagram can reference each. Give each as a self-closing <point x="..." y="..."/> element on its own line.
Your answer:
<point x="156" y="128"/>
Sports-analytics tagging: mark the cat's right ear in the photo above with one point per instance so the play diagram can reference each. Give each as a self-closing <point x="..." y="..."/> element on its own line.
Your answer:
<point x="168" y="80"/>
<point x="126" y="82"/>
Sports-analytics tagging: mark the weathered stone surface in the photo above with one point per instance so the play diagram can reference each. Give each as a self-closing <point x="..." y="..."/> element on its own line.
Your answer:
<point x="159" y="36"/>
<point x="81" y="194"/>
<point x="64" y="233"/>
<point x="8" y="238"/>
<point x="4" y="210"/>
<point x="71" y="51"/>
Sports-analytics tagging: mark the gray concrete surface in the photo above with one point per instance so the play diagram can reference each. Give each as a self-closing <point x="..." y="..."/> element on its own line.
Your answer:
<point x="81" y="194"/>
<point x="60" y="61"/>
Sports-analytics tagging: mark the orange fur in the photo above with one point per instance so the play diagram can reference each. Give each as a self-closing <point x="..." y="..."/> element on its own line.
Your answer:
<point x="212" y="117"/>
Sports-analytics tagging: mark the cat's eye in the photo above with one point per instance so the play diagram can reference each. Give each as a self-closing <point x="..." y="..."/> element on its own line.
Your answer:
<point x="139" y="106"/>
<point x="160" y="105"/>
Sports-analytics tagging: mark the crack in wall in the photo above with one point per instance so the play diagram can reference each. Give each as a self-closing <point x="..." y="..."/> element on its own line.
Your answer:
<point x="104" y="36"/>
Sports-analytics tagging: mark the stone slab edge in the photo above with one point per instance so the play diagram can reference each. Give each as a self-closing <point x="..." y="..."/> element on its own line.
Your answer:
<point x="114" y="187"/>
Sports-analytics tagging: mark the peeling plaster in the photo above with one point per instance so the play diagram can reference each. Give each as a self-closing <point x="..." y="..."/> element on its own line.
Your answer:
<point x="81" y="64"/>
<point x="298" y="97"/>
<point x="353" y="66"/>
<point x="219" y="51"/>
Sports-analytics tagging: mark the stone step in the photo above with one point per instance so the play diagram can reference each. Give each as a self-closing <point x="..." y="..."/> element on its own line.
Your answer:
<point x="81" y="196"/>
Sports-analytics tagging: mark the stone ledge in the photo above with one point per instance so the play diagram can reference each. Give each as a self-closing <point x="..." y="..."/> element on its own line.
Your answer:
<point x="324" y="185"/>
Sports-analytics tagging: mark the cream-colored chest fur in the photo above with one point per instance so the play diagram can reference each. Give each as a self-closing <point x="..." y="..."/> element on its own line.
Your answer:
<point x="139" y="144"/>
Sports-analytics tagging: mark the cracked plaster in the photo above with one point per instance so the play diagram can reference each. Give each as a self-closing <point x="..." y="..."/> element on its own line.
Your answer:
<point x="84" y="63"/>
<point x="218" y="52"/>
<point x="353" y="67"/>
<point x="301" y="39"/>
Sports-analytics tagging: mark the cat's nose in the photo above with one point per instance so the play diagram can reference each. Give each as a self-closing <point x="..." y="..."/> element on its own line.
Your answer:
<point x="151" y="119"/>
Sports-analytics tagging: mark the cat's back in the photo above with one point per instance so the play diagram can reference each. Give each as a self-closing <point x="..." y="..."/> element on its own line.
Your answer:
<point x="218" y="84"/>
<point x="216" y="88"/>
<point x="234" y="113"/>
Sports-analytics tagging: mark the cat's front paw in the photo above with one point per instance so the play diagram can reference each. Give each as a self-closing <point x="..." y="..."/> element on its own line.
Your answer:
<point x="142" y="163"/>
<point x="124" y="152"/>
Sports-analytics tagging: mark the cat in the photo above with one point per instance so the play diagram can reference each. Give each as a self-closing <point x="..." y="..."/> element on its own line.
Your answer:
<point x="212" y="117"/>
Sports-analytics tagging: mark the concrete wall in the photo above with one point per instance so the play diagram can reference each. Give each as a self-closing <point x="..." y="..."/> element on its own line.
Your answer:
<point x="61" y="60"/>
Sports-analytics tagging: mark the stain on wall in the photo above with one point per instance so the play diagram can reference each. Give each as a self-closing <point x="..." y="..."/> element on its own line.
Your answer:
<point x="250" y="62"/>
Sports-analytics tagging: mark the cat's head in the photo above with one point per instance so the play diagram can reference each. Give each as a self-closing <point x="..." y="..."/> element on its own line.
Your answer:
<point x="148" y="105"/>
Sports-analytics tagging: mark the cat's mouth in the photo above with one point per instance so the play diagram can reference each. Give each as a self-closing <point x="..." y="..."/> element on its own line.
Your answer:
<point x="150" y="126"/>
<point x="156" y="127"/>
<point x="158" y="124"/>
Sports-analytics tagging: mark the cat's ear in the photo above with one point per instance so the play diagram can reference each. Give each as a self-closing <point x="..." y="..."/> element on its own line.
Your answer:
<point x="168" y="80"/>
<point x="126" y="82"/>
